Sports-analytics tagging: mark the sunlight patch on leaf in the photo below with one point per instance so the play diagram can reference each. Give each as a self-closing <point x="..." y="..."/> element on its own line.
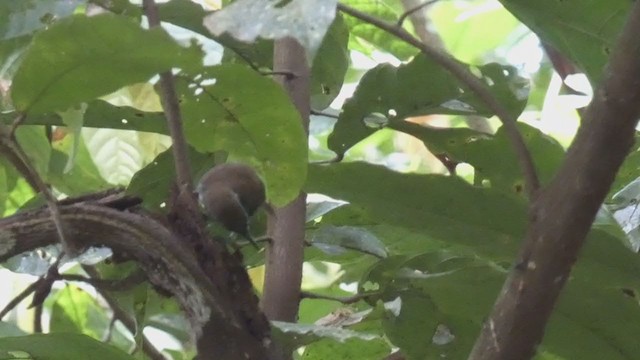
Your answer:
<point x="116" y="153"/>
<point x="305" y="20"/>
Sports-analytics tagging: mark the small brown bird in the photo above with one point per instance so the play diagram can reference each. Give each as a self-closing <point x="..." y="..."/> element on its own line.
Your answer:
<point x="230" y="194"/>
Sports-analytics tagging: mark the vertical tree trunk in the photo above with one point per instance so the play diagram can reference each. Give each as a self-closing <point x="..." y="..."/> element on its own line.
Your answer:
<point x="287" y="226"/>
<point x="562" y="213"/>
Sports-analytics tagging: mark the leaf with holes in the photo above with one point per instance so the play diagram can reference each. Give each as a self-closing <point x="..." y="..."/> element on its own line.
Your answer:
<point x="249" y="116"/>
<point x="386" y="94"/>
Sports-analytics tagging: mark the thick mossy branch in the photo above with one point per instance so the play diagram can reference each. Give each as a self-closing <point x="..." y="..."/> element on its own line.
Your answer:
<point x="213" y="309"/>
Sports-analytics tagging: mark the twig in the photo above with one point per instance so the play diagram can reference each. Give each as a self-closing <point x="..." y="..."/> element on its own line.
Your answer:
<point x="336" y="159"/>
<point x="17" y="122"/>
<point x="525" y="160"/>
<point x="287" y="74"/>
<point x="124" y="317"/>
<point x="320" y="113"/>
<point x="28" y="290"/>
<point x="18" y="299"/>
<point x="172" y="112"/>
<point x="123" y="284"/>
<point x="449" y="164"/>
<point x="408" y="13"/>
<point x="346" y="300"/>
<point x="37" y="319"/>
<point x="44" y="287"/>
<point x="263" y="239"/>
<point x="10" y="147"/>
<point x="109" y="334"/>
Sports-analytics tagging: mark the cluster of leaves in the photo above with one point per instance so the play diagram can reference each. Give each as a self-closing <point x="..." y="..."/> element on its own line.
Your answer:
<point x="428" y="252"/>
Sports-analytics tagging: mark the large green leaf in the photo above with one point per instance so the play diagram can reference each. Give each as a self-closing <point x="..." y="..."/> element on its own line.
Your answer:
<point x="81" y="177"/>
<point x="35" y="144"/>
<point x="76" y="311"/>
<point x="250" y="117"/>
<point x="492" y="157"/>
<point x="585" y="31"/>
<point x="457" y="292"/>
<point x="80" y="58"/>
<point x="387" y="94"/>
<point x="58" y="347"/>
<point x="486" y="222"/>
<point x="441" y="301"/>
<point x="19" y="20"/>
<point x="330" y="65"/>
<point x="444" y="207"/>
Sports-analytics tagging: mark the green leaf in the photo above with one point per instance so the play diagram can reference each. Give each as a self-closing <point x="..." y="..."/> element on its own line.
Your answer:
<point x="366" y="38"/>
<point x="73" y="118"/>
<point x="330" y="65"/>
<point x="153" y="182"/>
<point x="585" y="33"/>
<point x="444" y="207"/>
<point x="117" y="154"/>
<point x="594" y="323"/>
<point x="58" y="347"/>
<point x="189" y="15"/>
<point x="492" y="157"/>
<point x="252" y="119"/>
<point x="486" y="222"/>
<point x="353" y="348"/>
<point x="470" y="32"/>
<point x="317" y="209"/>
<point x="471" y="235"/>
<point x="333" y="342"/>
<point x="333" y="239"/>
<point x="76" y="311"/>
<point x="10" y="329"/>
<point x="19" y="18"/>
<point x="444" y="295"/>
<point x="271" y="21"/>
<point x="80" y="58"/>
<point x="628" y="173"/>
<point x="7" y="182"/>
<point x="414" y="326"/>
<point x="83" y="177"/>
<point x="184" y="13"/>
<point x="388" y="94"/>
<point x="35" y="144"/>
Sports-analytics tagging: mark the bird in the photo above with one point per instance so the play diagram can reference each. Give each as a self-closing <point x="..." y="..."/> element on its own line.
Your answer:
<point x="230" y="194"/>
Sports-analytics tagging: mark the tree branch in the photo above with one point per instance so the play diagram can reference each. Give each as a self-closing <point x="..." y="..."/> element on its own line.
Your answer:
<point x="227" y="306"/>
<point x="481" y="90"/>
<point x="171" y="109"/>
<point x="412" y="10"/>
<point x="346" y="300"/>
<point x="18" y="299"/>
<point x="562" y="215"/>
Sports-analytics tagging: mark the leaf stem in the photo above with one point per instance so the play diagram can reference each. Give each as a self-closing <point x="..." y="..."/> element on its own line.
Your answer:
<point x="171" y="108"/>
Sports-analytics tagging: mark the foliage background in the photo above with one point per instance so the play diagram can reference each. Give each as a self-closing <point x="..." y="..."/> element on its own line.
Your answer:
<point x="430" y="251"/>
